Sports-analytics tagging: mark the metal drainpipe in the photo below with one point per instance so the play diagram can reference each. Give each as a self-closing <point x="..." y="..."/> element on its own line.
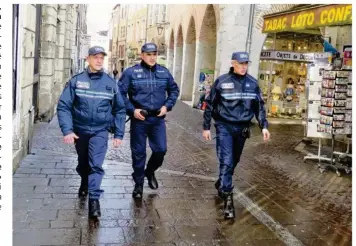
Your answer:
<point x="250" y="26"/>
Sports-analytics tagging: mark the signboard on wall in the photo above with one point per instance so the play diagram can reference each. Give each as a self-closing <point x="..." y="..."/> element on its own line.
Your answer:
<point x="293" y="56"/>
<point x="314" y="17"/>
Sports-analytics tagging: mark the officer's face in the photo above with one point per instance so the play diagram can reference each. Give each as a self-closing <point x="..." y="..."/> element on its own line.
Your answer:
<point x="150" y="58"/>
<point x="240" y="68"/>
<point x="96" y="62"/>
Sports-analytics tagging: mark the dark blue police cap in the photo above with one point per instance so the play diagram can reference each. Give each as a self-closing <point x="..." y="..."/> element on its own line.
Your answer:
<point x="240" y="57"/>
<point x="96" y="50"/>
<point x="149" y="47"/>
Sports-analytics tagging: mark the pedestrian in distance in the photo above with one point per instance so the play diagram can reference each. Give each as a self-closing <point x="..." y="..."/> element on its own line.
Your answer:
<point x="234" y="100"/>
<point x="115" y="72"/>
<point x="89" y="108"/>
<point x="144" y="88"/>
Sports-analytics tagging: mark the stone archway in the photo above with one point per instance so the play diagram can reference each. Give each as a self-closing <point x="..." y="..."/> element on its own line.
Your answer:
<point x="206" y="51"/>
<point x="178" y="57"/>
<point x="170" y="52"/>
<point x="189" y="52"/>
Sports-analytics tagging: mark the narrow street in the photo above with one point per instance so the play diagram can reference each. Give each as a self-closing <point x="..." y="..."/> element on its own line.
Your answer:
<point x="279" y="200"/>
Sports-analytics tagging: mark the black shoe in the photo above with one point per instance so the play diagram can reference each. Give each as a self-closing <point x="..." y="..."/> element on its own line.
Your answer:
<point x="229" y="210"/>
<point x="83" y="189"/>
<point x="137" y="191"/>
<point x="152" y="181"/>
<point x="94" y="208"/>
<point x="217" y="186"/>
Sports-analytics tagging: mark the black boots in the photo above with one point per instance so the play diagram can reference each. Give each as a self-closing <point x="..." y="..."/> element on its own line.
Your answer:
<point x="94" y="208"/>
<point x="137" y="192"/>
<point x="83" y="189"/>
<point x="152" y="181"/>
<point x="217" y="186"/>
<point x="229" y="210"/>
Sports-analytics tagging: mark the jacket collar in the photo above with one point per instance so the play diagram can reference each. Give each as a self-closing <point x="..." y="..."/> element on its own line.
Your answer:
<point x="95" y="76"/>
<point x="145" y="65"/>
<point x="235" y="75"/>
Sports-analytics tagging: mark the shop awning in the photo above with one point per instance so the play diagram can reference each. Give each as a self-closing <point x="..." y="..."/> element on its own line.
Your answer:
<point x="308" y="17"/>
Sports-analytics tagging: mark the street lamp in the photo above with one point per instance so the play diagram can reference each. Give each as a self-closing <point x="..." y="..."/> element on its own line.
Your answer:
<point x="160" y="27"/>
<point x="140" y="42"/>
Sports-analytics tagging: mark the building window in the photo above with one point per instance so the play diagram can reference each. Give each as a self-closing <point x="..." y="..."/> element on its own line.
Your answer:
<point x="156" y="13"/>
<point x="138" y="31"/>
<point x="143" y="28"/>
<point x="150" y="10"/>
<point x="164" y="13"/>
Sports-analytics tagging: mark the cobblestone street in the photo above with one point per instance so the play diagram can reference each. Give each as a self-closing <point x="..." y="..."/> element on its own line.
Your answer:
<point x="279" y="199"/>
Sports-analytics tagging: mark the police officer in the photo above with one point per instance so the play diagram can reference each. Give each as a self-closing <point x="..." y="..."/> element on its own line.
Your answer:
<point x="234" y="100"/>
<point x="146" y="85"/>
<point x="89" y="107"/>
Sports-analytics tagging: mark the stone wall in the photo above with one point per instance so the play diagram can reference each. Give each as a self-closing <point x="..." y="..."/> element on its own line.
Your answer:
<point x="55" y="50"/>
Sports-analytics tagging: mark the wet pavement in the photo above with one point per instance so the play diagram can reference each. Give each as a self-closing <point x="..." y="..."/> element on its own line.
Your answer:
<point x="313" y="208"/>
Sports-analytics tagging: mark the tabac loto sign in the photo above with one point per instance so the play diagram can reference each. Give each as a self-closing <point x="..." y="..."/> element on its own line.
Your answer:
<point x="326" y="15"/>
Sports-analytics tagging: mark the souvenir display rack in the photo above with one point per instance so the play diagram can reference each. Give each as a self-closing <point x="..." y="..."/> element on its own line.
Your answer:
<point x="336" y="112"/>
<point x="329" y="111"/>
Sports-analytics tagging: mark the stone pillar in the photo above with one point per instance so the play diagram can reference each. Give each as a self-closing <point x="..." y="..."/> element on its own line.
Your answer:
<point x="177" y="63"/>
<point x="74" y="32"/>
<point x="170" y="58"/>
<point x="188" y="71"/>
<point x="67" y="46"/>
<point x="234" y="20"/>
<point x="59" y="69"/>
<point x="47" y="60"/>
<point x="340" y="36"/>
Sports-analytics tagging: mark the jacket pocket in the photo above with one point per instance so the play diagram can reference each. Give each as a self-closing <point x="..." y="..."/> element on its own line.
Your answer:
<point x="102" y="113"/>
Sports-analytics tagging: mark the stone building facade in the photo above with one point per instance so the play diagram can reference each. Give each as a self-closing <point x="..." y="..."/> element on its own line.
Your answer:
<point x="44" y="37"/>
<point x="203" y="37"/>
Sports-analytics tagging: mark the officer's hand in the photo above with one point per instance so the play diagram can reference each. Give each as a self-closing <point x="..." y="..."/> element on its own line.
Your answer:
<point x="207" y="134"/>
<point x="266" y="134"/>
<point x="69" y="139"/>
<point x="117" y="142"/>
<point x="138" y="115"/>
<point x="163" y="111"/>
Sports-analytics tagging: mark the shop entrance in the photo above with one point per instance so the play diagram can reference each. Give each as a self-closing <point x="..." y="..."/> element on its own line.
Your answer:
<point x="283" y="72"/>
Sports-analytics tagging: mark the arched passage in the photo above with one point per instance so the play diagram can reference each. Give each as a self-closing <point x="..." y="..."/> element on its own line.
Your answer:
<point x="178" y="55"/>
<point x="206" y="53"/>
<point x="189" y="51"/>
<point x="170" y="52"/>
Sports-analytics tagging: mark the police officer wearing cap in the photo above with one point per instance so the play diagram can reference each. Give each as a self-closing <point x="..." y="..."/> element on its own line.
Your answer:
<point x="234" y="100"/>
<point x="146" y="85"/>
<point x="90" y="106"/>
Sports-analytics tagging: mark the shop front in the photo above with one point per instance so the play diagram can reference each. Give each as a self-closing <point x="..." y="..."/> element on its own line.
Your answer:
<point x="294" y="40"/>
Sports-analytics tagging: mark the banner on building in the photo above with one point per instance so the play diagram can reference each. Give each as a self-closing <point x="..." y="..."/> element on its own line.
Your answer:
<point x="311" y="18"/>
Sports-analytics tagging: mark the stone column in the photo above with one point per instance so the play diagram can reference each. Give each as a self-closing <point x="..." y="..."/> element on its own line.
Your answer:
<point x="177" y="62"/>
<point x="234" y="20"/>
<point x="47" y="60"/>
<point x="67" y="45"/>
<point x="188" y="71"/>
<point x="59" y="69"/>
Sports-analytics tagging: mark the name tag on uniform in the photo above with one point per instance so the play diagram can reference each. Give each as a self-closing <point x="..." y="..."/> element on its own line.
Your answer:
<point x="82" y="85"/>
<point x="227" y="85"/>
